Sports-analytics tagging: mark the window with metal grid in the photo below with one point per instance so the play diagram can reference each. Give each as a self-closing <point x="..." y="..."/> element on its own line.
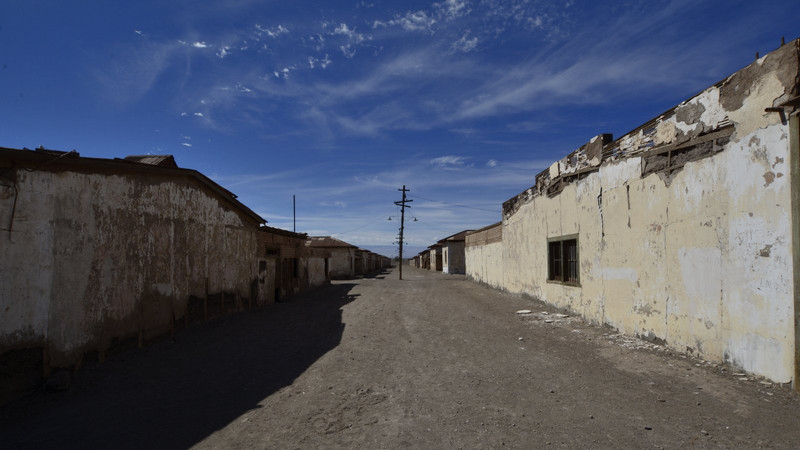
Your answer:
<point x="562" y="260"/>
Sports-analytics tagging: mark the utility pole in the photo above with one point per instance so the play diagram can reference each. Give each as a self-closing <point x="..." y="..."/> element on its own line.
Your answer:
<point x="403" y="206"/>
<point x="294" y="216"/>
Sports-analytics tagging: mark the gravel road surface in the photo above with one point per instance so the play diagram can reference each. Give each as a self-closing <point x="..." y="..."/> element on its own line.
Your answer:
<point x="432" y="361"/>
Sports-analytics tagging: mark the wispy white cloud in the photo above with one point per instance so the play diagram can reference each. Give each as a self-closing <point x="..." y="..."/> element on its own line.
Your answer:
<point x="135" y="69"/>
<point x="414" y="21"/>
<point x="337" y="204"/>
<point x="186" y="144"/>
<point x="272" y="32"/>
<point x="351" y="34"/>
<point x="353" y="39"/>
<point x="347" y="50"/>
<point x="317" y="41"/>
<point x="258" y="181"/>
<point x="422" y="85"/>
<point x="449" y="162"/>
<point x="323" y="63"/>
<point x="491" y="163"/>
<point x="452" y="9"/>
<point x="464" y="131"/>
<point x="283" y="73"/>
<point x="465" y="44"/>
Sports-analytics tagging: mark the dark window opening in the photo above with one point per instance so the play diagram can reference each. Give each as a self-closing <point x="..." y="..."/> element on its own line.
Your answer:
<point x="555" y="265"/>
<point x="562" y="261"/>
<point x="295" y="267"/>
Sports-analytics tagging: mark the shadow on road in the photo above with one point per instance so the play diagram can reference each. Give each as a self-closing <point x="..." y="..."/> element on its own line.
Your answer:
<point x="379" y="274"/>
<point x="177" y="392"/>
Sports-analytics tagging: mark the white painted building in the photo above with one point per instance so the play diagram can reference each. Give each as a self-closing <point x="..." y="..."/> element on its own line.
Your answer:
<point x="686" y="229"/>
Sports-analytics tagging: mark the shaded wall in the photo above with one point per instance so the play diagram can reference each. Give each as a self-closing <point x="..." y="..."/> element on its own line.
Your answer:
<point x="342" y="262"/>
<point x="316" y="271"/>
<point x="95" y="258"/>
<point x="455" y="258"/>
<point x="293" y="266"/>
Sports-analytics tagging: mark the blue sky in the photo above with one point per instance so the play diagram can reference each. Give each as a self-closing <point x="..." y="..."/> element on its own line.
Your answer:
<point x="341" y="103"/>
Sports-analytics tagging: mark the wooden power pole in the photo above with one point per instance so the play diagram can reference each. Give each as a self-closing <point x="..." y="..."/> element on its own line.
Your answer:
<point x="403" y="206"/>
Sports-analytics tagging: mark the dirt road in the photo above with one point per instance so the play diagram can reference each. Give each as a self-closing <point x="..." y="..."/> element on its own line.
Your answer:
<point x="433" y="361"/>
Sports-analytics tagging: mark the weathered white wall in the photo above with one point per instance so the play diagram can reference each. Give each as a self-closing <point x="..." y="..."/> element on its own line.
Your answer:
<point x="703" y="262"/>
<point x="93" y="257"/>
<point x="342" y="262"/>
<point x="316" y="272"/>
<point x="484" y="263"/>
<point x="436" y="259"/>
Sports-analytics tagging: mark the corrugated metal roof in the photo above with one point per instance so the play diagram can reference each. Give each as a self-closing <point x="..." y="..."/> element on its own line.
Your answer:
<point x="282" y="232"/>
<point x="54" y="161"/>
<point x="153" y="160"/>
<point x="327" y="241"/>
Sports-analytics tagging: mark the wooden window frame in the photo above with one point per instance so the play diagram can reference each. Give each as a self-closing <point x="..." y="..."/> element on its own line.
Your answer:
<point x="563" y="266"/>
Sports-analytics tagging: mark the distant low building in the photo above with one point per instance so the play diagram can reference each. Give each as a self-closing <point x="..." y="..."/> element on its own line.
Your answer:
<point x="286" y="265"/>
<point x="453" y="261"/>
<point x="342" y="261"/>
<point x="435" y="257"/>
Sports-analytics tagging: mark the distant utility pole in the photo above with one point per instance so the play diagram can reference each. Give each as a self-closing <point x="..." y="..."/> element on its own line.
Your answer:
<point x="403" y="206"/>
<point x="294" y="216"/>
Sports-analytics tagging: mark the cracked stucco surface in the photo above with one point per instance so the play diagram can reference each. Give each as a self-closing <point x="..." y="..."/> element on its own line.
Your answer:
<point x="683" y="261"/>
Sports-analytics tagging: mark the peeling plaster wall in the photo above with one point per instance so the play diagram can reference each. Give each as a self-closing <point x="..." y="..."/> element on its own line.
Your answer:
<point x="342" y="263"/>
<point x="436" y="259"/>
<point x="485" y="263"/>
<point x="483" y="255"/>
<point x="699" y="255"/>
<point x="316" y="272"/>
<point x="95" y="257"/>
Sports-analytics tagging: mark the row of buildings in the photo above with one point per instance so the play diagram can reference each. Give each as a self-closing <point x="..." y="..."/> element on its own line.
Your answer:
<point x="686" y="229"/>
<point x="105" y="252"/>
<point x="447" y="255"/>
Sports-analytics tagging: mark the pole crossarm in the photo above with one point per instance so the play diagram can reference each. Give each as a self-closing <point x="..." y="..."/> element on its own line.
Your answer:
<point x="402" y="204"/>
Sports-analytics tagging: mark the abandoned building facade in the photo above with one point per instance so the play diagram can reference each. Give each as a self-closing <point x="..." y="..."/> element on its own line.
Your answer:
<point x="97" y="252"/>
<point x="453" y="253"/>
<point x="286" y="266"/>
<point x="342" y="263"/>
<point x="685" y="229"/>
<point x="98" y="249"/>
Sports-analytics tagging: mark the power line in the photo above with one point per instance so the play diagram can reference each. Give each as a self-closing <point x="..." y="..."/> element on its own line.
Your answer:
<point x="362" y="226"/>
<point x="460" y="206"/>
<point x="431" y="226"/>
